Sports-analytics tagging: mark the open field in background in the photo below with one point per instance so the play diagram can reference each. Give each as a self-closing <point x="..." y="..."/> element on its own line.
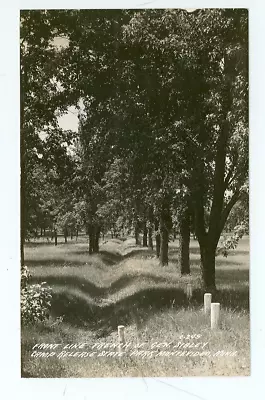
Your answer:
<point x="124" y="284"/>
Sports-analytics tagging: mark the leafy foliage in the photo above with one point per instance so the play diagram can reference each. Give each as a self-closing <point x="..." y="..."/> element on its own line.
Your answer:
<point x="35" y="299"/>
<point x="231" y="242"/>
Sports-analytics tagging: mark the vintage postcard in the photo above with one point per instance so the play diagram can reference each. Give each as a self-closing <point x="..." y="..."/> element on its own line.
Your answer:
<point x="132" y="200"/>
<point x="134" y="192"/>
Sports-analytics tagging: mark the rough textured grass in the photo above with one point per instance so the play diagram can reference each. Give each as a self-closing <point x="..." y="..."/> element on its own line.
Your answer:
<point x="124" y="284"/>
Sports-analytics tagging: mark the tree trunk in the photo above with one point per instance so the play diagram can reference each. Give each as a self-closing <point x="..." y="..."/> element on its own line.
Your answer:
<point x="164" y="247"/>
<point x="96" y="239"/>
<point x="145" y="235"/>
<point x="91" y="243"/>
<point x="55" y="237"/>
<point x="150" y="227"/>
<point x="150" y="238"/>
<point x="91" y="236"/>
<point x="164" y="240"/>
<point x="136" y="233"/>
<point x="72" y="235"/>
<point x="158" y="239"/>
<point x="208" y="267"/>
<point x="40" y="232"/>
<point x="44" y="232"/>
<point x="65" y="235"/>
<point x="76" y="235"/>
<point x="184" y="242"/>
<point x="218" y="213"/>
<point x="158" y="245"/>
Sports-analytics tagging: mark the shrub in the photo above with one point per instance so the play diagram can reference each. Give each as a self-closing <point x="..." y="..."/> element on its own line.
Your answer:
<point x="35" y="299"/>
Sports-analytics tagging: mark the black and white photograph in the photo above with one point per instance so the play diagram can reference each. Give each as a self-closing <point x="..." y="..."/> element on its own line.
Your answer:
<point x="134" y="193"/>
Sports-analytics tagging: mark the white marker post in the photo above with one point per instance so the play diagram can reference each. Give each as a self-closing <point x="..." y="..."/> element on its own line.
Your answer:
<point x="215" y="315"/>
<point x="189" y="291"/>
<point x="207" y="303"/>
<point x="121" y="337"/>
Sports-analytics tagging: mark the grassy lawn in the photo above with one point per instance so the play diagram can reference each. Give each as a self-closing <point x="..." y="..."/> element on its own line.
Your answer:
<point x="124" y="285"/>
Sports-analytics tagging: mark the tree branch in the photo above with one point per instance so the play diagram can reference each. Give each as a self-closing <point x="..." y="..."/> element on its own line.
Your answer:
<point x="229" y="177"/>
<point x="228" y="208"/>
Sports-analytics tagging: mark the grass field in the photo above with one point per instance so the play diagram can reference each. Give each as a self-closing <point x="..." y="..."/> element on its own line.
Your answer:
<point x="124" y="284"/>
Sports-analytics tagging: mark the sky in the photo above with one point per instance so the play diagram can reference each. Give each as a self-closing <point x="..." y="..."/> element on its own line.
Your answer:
<point x="69" y="120"/>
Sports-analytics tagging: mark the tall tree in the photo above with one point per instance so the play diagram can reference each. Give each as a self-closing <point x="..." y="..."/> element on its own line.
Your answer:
<point x="221" y="150"/>
<point x="41" y="98"/>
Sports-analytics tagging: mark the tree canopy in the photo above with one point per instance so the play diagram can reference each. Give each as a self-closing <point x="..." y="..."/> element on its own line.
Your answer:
<point x="163" y="128"/>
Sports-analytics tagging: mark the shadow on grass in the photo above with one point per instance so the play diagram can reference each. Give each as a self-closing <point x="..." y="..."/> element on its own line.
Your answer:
<point x="144" y="252"/>
<point x="133" y="245"/>
<point x="219" y="262"/>
<point x="92" y="290"/>
<point x="136" y="308"/>
<point x="107" y="257"/>
<point x="53" y="262"/>
<point x="234" y="299"/>
<point x="196" y="250"/>
<point x="238" y="253"/>
<point x="50" y="243"/>
<point x="175" y="248"/>
<point x="103" y="320"/>
<point x="231" y="276"/>
<point x="111" y="257"/>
